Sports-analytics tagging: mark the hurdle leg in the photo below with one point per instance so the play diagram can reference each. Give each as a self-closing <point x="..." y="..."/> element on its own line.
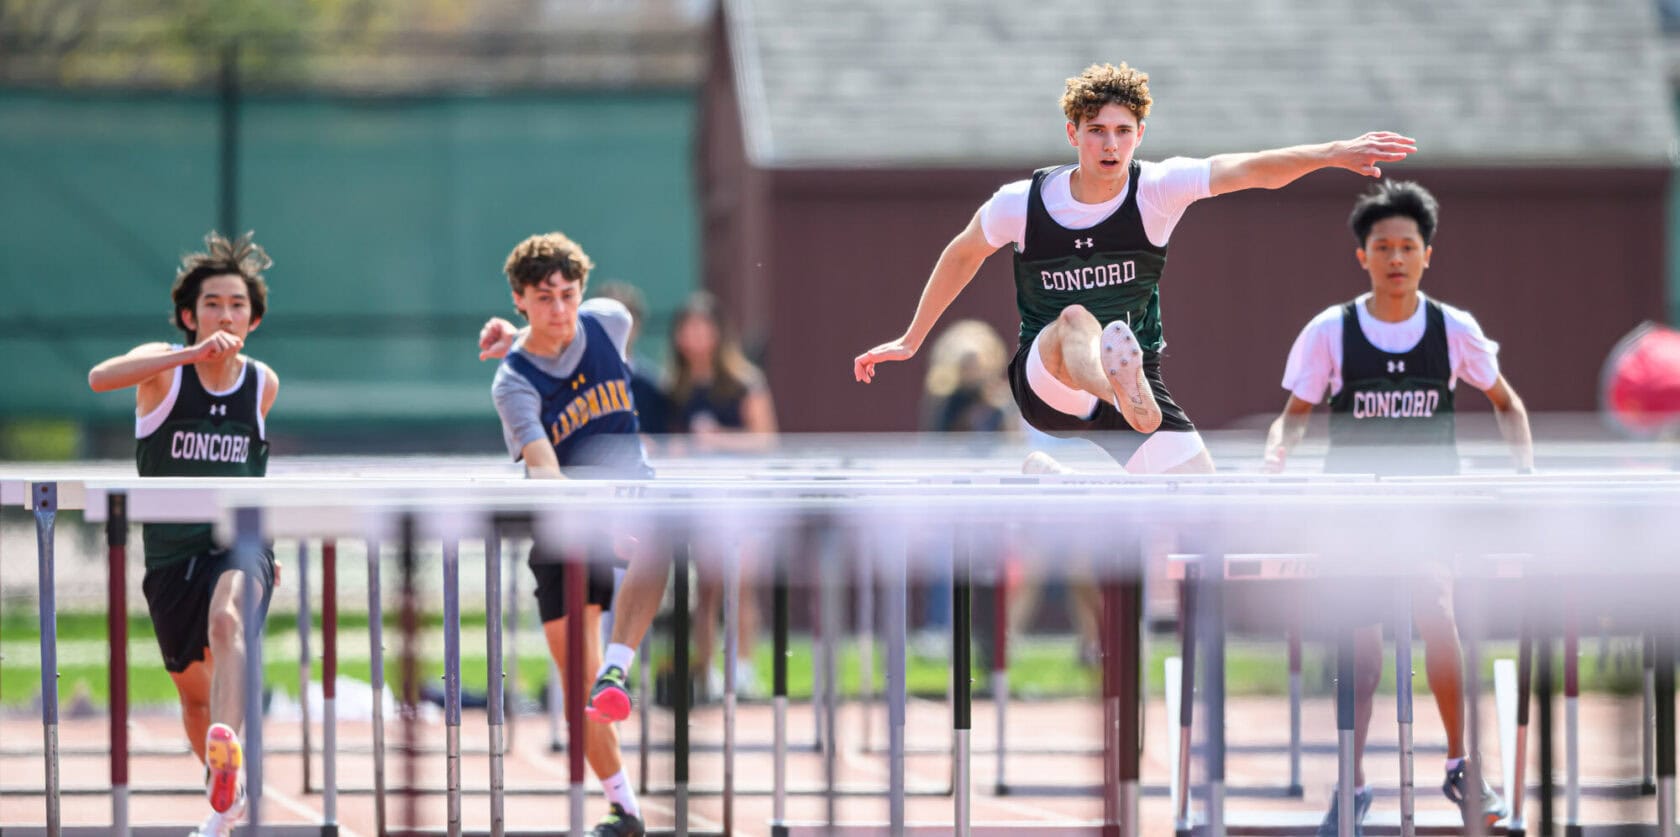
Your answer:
<point x="510" y="638"/>
<point x="1663" y="681"/>
<point x="829" y="619"/>
<point x="248" y="542"/>
<point x="1000" y="658"/>
<point x="329" y="688"/>
<point x="896" y="602"/>
<point x="303" y="625"/>
<point x="1109" y="644"/>
<point x="866" y="647"/>
<point x="1293" y="638"/>
<point x="1403" y="709"/>
<point x="1345" y="773"/>
<point x="116" y="622"/>
<point x="1121" y="605"/>
<point x="409" y="682"/>
<point x="1214" y="668"/>
<point x="44" y="501"/>
<point x="962" y="595"/>
<point x="731" y="654"/>
<point x="1648" y="718"/>
<point x="495" y="706"/>
<point x="1518" y="826"/>
<point x="680" y="696"/>
<point x="1543" y="705"/>
<point x="376" y="676"/>
<point x="1186" y="700"/>
<point x="644" y="672"/>
<point x="778" y="692"/>
<point x="1470" y="637"/>
<point x="820" y="740"/>
<point x="1571" y="721"/>
<point x="452" y="681"/>
<point x="577" y="596"/>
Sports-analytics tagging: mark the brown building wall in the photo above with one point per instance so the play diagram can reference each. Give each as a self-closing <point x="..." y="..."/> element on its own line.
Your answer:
<point x="1555" y="263"/>
<point x="817" y="265"/>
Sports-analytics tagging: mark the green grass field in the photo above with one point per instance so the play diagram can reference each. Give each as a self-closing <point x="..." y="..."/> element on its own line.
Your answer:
<point x="1040" y="666"/>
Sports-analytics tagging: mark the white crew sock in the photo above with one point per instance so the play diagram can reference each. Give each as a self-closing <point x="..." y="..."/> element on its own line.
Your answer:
<point x="617" y="789"/>
<point x="617" y="655"/>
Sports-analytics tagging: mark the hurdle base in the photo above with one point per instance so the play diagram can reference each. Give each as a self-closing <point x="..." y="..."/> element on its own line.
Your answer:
<point x="1380" y="823"/>
<point x="1153" y="791"/>
<point x="523" y="832"/>
<point x="287" y="830"/>
<point x="1092" y="828"/>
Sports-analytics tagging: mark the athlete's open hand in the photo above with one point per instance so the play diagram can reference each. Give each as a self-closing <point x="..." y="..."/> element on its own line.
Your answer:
<point x="495" y="340"/>
<point x="1362" y="154"/>
<point x="863" y="367"/>
<point x="217" y="346"/>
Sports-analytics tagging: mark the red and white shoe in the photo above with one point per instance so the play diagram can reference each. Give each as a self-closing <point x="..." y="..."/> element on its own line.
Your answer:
<point x="221" y="823"/>
<point x="225" y="759"/>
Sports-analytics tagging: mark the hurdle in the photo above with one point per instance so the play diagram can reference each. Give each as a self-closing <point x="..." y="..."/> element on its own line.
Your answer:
<point x="46" y="499"/>
<point x="983" y="499"/>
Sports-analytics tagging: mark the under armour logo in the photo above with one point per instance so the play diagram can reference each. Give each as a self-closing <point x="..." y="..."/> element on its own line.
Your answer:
<point x="1396" y="366"/>
<point x="218" y="409"/>
<point x="1082" y="243"/>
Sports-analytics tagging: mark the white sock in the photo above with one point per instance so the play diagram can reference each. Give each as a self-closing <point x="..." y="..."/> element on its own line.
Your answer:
<point x="617" y="655"/>
<point x="1454" y="764"/>
<point x="617" y="789"/>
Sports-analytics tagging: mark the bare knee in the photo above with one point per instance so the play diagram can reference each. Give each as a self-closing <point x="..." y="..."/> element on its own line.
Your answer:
<point x="226" y="626"/>
<point x="193" y="709"/>
<point x="1076" y="316"/>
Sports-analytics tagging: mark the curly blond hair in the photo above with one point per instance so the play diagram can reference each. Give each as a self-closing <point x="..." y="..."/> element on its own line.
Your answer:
<point x="1106" y="84"/>
<point x="241" y="257"/>
<point x="536" y="258"/>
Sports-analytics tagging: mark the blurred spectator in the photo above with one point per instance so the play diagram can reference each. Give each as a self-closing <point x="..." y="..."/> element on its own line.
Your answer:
<point x="966" y="391"/>
<point x="721" y="400"/>
<point x="716" y="394"/>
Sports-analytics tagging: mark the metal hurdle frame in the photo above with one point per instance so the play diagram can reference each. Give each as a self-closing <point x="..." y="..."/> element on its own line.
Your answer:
<point x="250" y="522"/>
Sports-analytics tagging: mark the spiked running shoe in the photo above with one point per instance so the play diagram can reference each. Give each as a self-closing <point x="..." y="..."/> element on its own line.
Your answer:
<point x="221" y="823"/>
<point x="1455" y="787"/>
<point x="224" y="757"/>
<point x="1331" y="825"/>
<point x="609" y="701"/>
<point x="618" y="824"/>
<point x="1122" y="362"/>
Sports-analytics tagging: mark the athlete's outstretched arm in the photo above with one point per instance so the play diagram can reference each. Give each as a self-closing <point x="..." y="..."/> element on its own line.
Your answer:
<point x="1279" y="167"/>
<point x="955" y="268"/>
<point x="1512" y="416"/>
<point x="150" y="360"/>
<point x="1286" y="433"/>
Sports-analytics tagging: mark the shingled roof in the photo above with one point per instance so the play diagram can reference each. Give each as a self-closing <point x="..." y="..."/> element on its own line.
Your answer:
<point x="963" y="83"/>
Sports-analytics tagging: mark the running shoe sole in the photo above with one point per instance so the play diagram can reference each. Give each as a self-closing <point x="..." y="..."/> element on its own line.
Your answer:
<point x="608" y="706"/>
<point x="224" y="757"/>
<point x="1122" y="361"/>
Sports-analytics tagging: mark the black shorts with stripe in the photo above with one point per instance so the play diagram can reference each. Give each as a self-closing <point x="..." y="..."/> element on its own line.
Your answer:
<point x="178" y="595"/>
<point x="550" y="572"/>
